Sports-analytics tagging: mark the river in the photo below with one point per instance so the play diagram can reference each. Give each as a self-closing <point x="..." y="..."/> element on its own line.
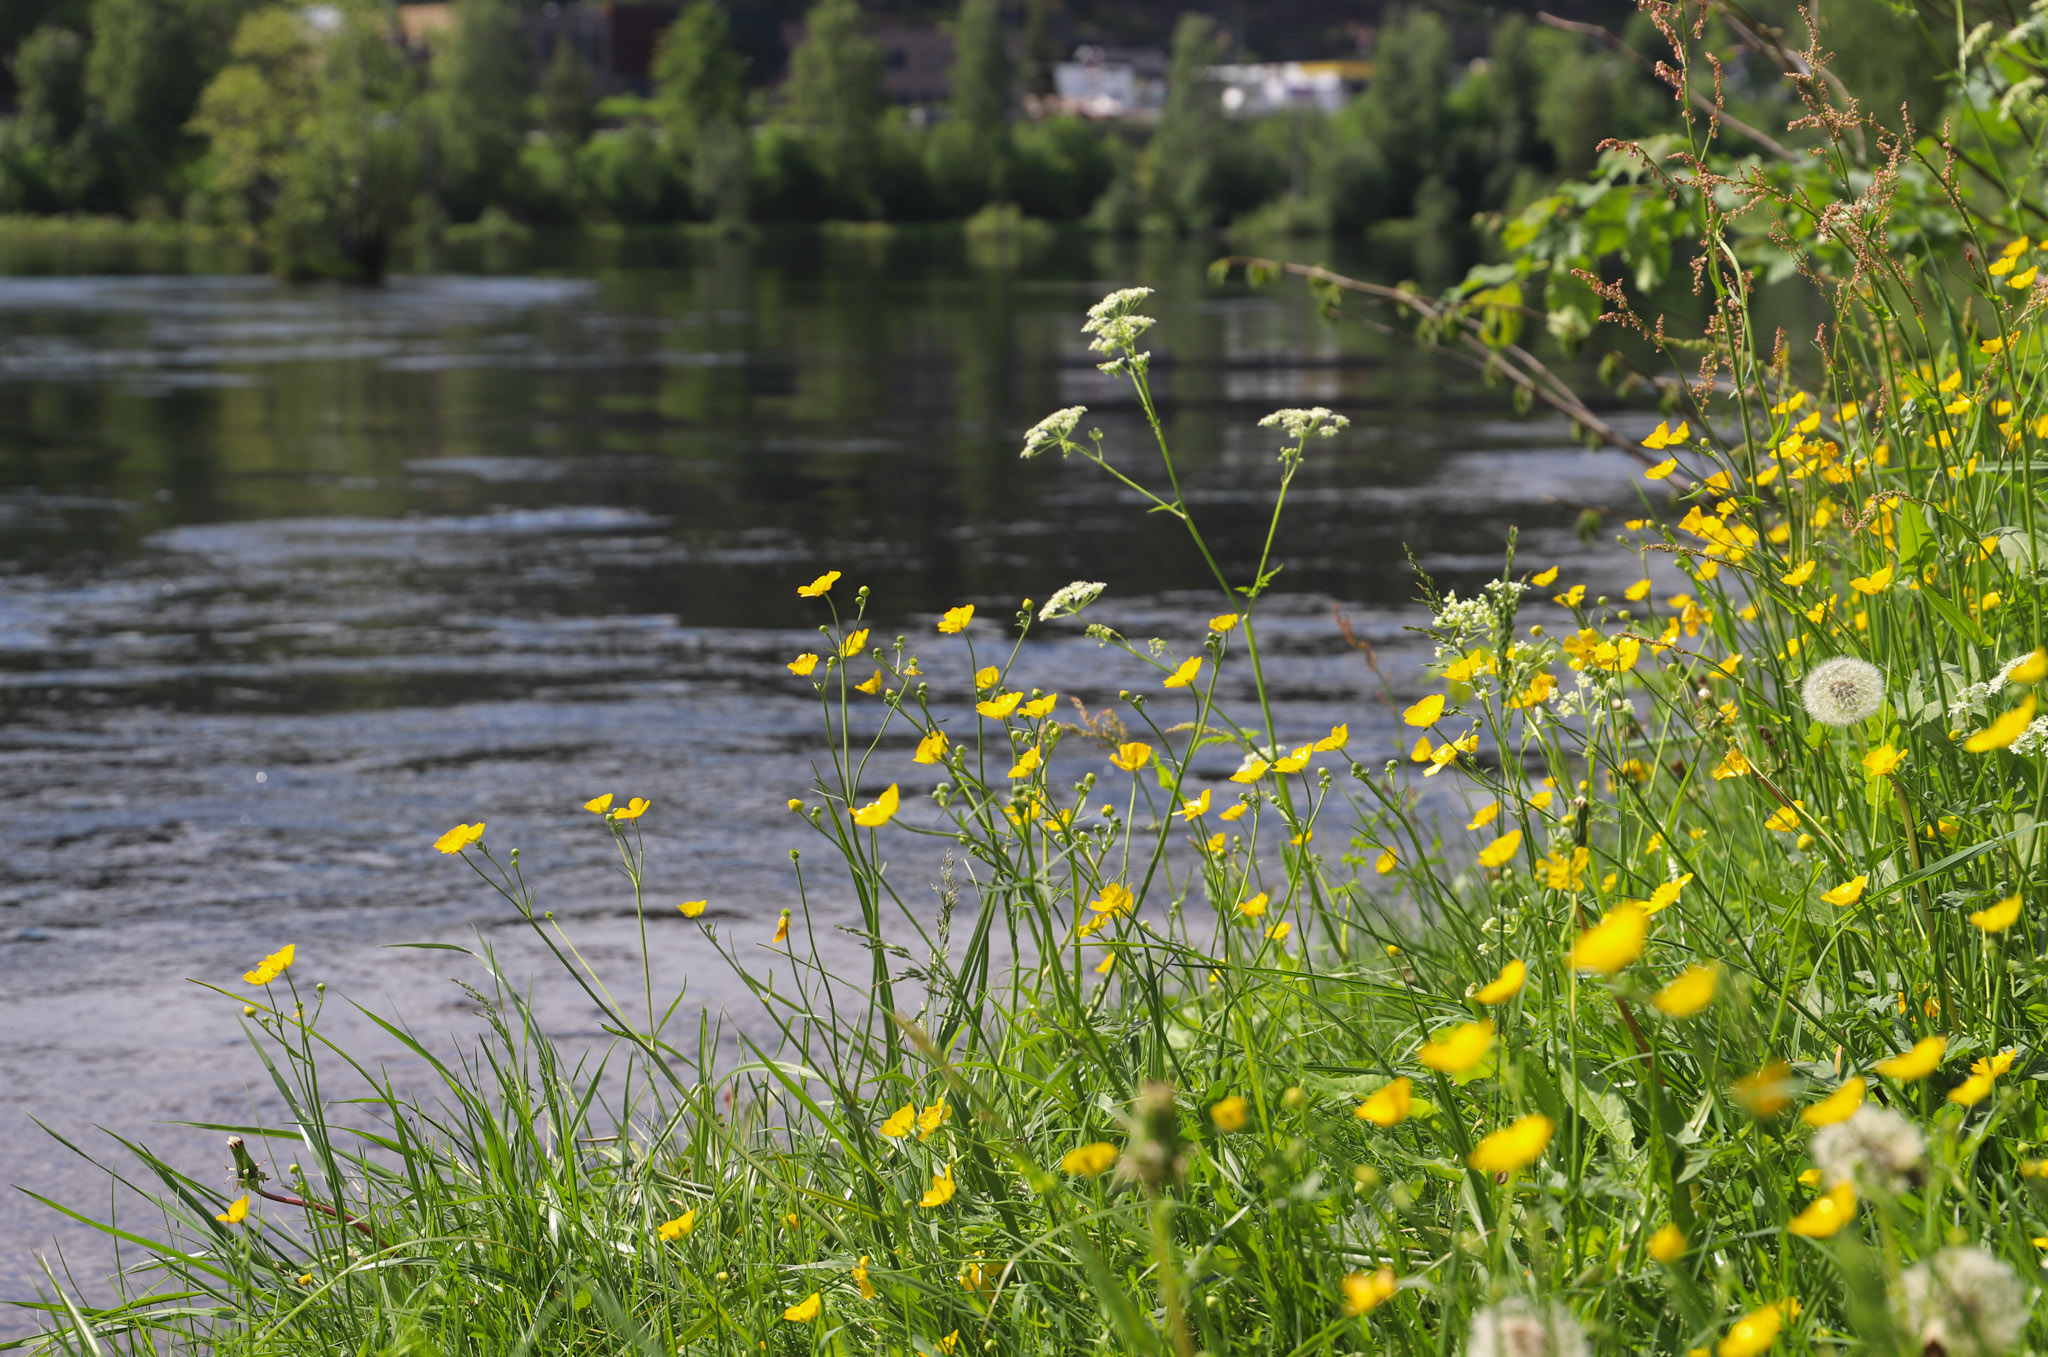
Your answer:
<point x="292" y="578"/>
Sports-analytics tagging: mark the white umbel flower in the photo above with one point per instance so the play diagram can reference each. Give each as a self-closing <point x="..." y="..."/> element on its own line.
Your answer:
<point x="1519" y="1328"/>
<point x="1302" y="423"/>
<point x="1843" y="691"/>
<point x="1875" y="1148"/>
<point x="1964" y="1303"/>
<point x="1056" y="430"/>
<point x="1071" y="599"/>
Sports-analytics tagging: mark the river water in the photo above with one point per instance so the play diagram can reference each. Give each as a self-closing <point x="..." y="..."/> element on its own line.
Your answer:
<point x="293" y="578"/>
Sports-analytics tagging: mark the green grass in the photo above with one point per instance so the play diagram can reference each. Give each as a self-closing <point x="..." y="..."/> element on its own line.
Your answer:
<point x="1095" y="1107"/>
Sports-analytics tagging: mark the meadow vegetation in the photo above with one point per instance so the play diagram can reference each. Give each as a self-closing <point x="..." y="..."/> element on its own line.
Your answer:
<point x="1673" y="986"/>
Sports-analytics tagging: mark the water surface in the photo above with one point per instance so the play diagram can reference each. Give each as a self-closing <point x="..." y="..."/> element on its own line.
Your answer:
<point x="293" y="578"/>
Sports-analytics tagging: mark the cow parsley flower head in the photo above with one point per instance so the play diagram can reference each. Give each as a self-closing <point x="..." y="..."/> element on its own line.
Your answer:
<point x="1964" y="1303"/>
<point x="1302" y="423"/>
<point x="1071" y="599"/>
<point x="1843" y="691"/>
<point x="1875" y="1148"/>
<point x="1116" y="325"/>
<point x="1519" y="1328"/>
<point x="1056" y="430"/>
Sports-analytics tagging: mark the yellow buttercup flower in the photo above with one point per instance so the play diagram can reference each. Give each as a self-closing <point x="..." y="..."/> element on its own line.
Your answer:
<point x="1253" y="908"/>
<point x="801" y="666"/>
<point x="1876" y="582"/>
<point x="1235" y="812"/>
<point x="1972" y="1090"/>
<point x="1389" y="1105"/>
<point x="931" y="749"/>
<point x="1668" y="1244"/>
<point x="871" y="684"/>
<point x="459" y="838"/>
<point x="1133" y="756"/>
<point x="879" y="811"/>
<point x="1195" y="809"/>
<point x="987" y="677"/>
<point x="692" y="908"/>
<point x="1783" y="820"/>
<point x="1665" y="894"/>
<point x="1223" y="622"/>
<point x="1027" y="763"/>
<point x="1294" y="762"/>
<point x="1386" y="861"/>
<point x="860" y="1278"/>
<point x="1185" y="674"/>
<point x="1425" y="712"/>
<point x="1999" y="917"/>
<point x="1612" y="943"/>
<point x="1837" y="1106"/>
<point x="1229" y="1114"/>
<point x="1501" y="850"/>
<point x="1848" y="893"/>
<point x="1825" y="1216"/>
<point x="598" y="805"/>
<point x="1457" y="1049"/>
<point x="851" y="646"/>
<point x="1039" y="707"/>
<point x="1690" y="992"/>
<point x="1484" y="816"/>
<point x="1799" y="574"/>
<point x="1279" y="931"/>
<point x="1638" y="591"/>
<point x="1089" y="1161"/>
<point x="941" y="1191"/>
<point x="1338" y="737"/>
<point x="237" y="1212"/>
<point x="2032" y="669"/>
<point x="632" y="810"/>
<point x="1881" y="760"/>
<point x="1916" y="1063"/>
<point x="999" y="708"/>
<point x="672" y="1230"/>
<point x="1767" y="1092"/>
<point x="782" y="928"/>
<point x="956" y="619"/>
<point x="1544" y="579"/>
<point x="805" y="1310"/>
<point x="272" y="966"/>
<point x="1215" y="843"/>
<point x="1753" y="1334"/>
<point x="1515" y="1146"/>
<point x="1365" y="1293"/>
<point x="1504" y="986"/>
<point x="1661" y="470"/>
<point x="2002" y="732"/>
<point x="1994" y="1065"/>
<point x="821" y="585"/>
<point x="933" y="1117"/>
<point x="899" y="1123"/>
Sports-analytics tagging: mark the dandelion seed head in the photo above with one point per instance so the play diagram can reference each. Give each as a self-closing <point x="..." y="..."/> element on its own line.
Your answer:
<point x="1519" y="1328"/>
<point x="1964" y="1303"/>
<point x="1071" y="598"/>
<point x="1843" y="691"/>
<point x="1875" y="1148"/>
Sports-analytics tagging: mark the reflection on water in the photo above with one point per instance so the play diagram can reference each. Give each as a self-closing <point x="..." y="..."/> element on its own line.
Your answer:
<point x="293" y="578"/>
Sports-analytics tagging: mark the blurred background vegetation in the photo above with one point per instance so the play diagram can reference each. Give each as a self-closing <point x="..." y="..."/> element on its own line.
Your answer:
<point x="333" y="132"/>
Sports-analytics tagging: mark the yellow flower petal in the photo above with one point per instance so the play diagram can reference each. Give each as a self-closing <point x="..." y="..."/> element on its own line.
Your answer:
<point x="1999" y="917"/>
<point x="1425" y="712"/>
<point x="1916" y="1063"/>
<point x="1837" y="1106"/>
<point x="1515" y="1146"/>
<point x="1390" y="1105"/>
<point x="1504" y="986"/>
<point x="822" y="584"/>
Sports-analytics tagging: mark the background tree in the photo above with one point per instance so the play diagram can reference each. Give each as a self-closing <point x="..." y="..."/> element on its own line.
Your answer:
<point x="834" y="97"/>
<point x="566" y="102"/>
<point x="700" y="100"/>
<point x="971" y="151"/>
<point x="313" y="138"/>
<point x="481" y="85"/>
